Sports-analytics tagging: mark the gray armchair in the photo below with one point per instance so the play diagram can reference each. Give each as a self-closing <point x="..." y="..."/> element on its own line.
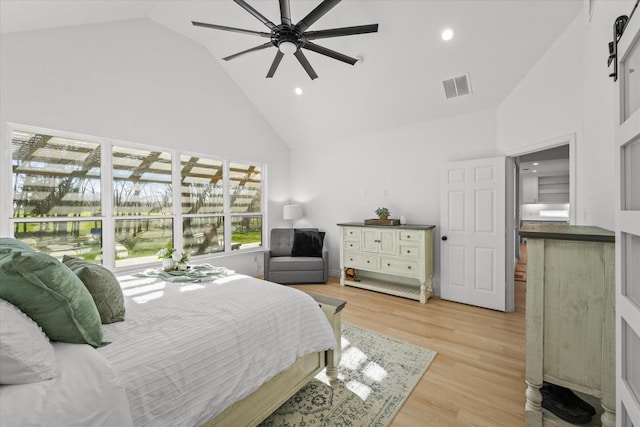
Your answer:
<point x="296" y="256"/>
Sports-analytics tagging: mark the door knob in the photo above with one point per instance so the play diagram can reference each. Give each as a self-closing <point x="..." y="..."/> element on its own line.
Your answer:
<point x="444" y="237"/>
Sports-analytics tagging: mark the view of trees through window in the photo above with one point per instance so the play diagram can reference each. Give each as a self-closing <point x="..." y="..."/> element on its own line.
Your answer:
<point x="56" y="187"/>
<point x="58" y="207"/>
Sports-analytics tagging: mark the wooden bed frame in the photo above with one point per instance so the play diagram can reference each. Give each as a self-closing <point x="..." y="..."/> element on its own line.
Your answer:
<point x="254" y="408"/>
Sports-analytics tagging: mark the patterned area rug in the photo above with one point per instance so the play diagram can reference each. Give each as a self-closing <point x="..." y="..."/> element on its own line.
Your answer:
<point x="376" y="375"/>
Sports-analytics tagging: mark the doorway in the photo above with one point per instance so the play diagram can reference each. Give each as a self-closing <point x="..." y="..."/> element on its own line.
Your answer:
<point x="541" y="189"/>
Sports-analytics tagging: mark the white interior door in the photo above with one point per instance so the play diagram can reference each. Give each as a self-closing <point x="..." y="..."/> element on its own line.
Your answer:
<point x="628" y="228"/>
<point x="472" y="245"/>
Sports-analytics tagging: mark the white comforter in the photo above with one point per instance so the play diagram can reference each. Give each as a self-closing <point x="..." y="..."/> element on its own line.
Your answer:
<point x="86" y="392"/>
<point x="186" y="351"/>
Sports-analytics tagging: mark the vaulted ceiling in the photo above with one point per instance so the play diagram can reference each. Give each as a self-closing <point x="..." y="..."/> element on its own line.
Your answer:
<point x="397" y="83"/>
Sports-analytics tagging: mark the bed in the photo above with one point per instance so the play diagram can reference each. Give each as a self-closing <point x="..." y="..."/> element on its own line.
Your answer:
<point x="227" y="351"/>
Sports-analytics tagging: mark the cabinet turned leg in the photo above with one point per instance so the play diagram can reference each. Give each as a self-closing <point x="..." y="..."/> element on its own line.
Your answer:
<point x="533" y="405"/>
<point x="426" y="291"/>
<point x="608" y="417"/>
<point x="343" y="276"/>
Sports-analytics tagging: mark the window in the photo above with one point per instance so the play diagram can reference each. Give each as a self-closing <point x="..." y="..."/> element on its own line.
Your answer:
<point x="72" y="194"/>
<point x="142" y="204"/>
<point x="56" y="194"/>
<point x="202" y="195"/>
<point x="245" y="192"/>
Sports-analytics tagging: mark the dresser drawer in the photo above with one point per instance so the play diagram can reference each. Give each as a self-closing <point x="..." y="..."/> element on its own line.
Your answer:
<point x="364" y="261"/>
<point x="400" y="267"/>
<point x="409" y="251"/>
<point x="411" y="236"/>
<point x="352" y="233"/>
<point x="351" y="245"/>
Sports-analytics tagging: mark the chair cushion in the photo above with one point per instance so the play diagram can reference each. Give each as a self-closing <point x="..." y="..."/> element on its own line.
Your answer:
<point x="307" y="242"/>
<point x="281" y="242"/>
<point x="103" y="286"/>
<point x="288" y="263"/>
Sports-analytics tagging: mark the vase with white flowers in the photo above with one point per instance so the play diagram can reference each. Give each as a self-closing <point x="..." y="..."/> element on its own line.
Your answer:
<point x="166" y="255"/>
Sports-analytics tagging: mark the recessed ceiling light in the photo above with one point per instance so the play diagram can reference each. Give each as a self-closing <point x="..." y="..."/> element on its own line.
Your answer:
<point x="447" y="34"/>
<point x="534" y="171"/>
<point x="536" y="164"/>
<point x="298" y="91"/>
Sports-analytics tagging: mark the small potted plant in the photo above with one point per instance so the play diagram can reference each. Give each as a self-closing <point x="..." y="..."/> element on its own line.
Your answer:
<point x="166" y="255"/>
<point x="183" y="260"/>
<point x="383" y="213"/>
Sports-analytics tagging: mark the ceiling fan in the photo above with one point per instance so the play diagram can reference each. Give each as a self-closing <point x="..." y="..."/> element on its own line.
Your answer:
<point x="290" y="39"/>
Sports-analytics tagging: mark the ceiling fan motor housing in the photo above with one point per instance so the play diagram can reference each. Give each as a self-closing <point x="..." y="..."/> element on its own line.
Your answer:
<point x="285" y="33"/>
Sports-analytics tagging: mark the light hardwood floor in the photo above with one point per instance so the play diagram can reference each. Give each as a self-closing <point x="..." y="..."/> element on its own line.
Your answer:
<point x="477" y="378"/>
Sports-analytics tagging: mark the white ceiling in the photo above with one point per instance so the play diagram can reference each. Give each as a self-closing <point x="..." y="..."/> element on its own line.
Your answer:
<point x="399" y="81"/>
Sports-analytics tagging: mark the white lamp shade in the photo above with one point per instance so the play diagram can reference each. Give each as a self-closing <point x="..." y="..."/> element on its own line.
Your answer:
<point x="292" y="212"/>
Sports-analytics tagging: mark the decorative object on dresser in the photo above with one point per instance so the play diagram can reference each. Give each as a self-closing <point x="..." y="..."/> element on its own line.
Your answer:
<point x="570" y="318"/>
<point x="397" y="261"/>
<point x="383" y="218"/>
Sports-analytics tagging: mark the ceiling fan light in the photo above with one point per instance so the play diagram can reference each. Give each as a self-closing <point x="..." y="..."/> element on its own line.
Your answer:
<point x="287" y="48"/>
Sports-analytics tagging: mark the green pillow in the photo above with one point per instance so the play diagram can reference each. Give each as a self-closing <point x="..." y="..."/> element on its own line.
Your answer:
<point x="103" y="286"/>
<point x="9" y="246"/>
<point x="52" y="295"/>
<point x="8" y="242"/>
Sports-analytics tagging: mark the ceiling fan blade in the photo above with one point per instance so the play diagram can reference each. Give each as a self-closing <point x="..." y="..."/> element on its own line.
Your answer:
<point x="330" y="53"/>
<point x="285" y="12"/>
<point x="235" y="30"/>
<point x="274" y="64"/>
<point x="253" y="49"/>
<point x="316" y="14"/>
<point x="339" y="32"/>
<point x="246" y="6"/>
<point x="305" y="64"/>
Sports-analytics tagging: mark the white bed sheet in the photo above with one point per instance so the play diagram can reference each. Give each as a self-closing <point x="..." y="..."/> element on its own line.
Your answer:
<point x="187" y="351"/>
<point x="87" y="392"/>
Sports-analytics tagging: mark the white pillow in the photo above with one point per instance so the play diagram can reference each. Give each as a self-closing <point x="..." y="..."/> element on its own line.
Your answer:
<point x="26" y="355"/>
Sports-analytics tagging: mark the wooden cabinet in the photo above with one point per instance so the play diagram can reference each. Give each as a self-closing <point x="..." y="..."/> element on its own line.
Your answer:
<point x="570" y="317"/>
<point x="397" y="260"/>
<point x="553" y="189"/>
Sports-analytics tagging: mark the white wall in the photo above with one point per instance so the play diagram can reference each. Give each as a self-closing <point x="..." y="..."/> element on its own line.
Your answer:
<point x="137" y="81"/>
<point x="569" y="91"/>
<point x="346" y="180"/>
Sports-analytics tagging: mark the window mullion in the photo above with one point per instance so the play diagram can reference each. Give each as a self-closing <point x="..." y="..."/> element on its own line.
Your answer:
<point x="227" y="207"/>
<point x="106" y="196"/>
<point x="6" y="224"/>
<point x="176" y="183"/>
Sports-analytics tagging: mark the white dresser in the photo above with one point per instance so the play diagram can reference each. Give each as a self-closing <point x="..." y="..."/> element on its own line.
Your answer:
<point x="396" y="260"/>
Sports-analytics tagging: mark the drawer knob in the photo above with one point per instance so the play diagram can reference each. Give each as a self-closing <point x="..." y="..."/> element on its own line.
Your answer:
<point x="408" y="252"/>
<point x="368" y="261"/>
<point x="408" y="236"/>
<point x="409" y="267"/>
<point x="350" y="259"/>
<point x="389" y="264"/>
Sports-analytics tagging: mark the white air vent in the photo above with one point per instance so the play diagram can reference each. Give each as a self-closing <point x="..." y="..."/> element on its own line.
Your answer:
<point x="457" y="86"/>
